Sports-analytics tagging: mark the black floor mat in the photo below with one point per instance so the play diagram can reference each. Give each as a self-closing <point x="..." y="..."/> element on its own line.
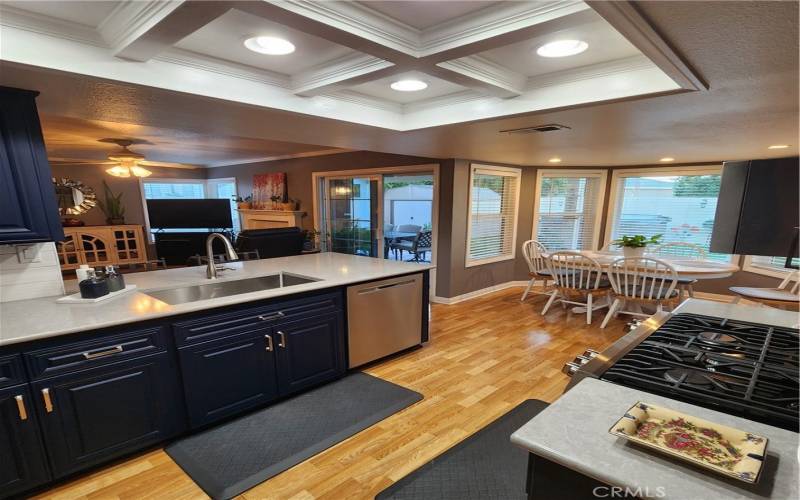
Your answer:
<point x="484" y="466"/>
<point x="242" y="453"/>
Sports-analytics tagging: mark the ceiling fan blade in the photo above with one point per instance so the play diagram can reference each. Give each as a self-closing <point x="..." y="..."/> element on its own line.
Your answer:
<point x="80" y="161"/>
<point x="148" y="163"/>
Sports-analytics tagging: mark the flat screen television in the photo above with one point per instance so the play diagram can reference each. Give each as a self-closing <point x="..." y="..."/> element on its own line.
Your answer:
<point x="185" y="214"/>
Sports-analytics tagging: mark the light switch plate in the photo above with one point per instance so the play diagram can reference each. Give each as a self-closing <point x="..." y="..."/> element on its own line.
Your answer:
<point x="28" y="254"/>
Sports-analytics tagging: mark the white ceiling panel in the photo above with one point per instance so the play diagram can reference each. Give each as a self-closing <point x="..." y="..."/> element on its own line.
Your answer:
<point x="422" y="14"/>
<point x="88" y="13"/>
<point x="605" y="44"/>
<point x="223" y="38"/>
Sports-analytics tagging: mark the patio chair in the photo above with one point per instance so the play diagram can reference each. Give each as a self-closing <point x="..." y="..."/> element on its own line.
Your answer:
<point x="640" y="280"/>
<point x="785" y="295"/>
<point x="400" y="245"/>
<point x="686" y="250"/>
<point x="419" y="247"/>
<point x="532" y="251"/>
<point x="578" y="279"/>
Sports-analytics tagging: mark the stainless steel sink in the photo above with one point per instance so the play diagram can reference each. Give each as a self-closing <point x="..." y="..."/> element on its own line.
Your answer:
<point x="225" y="288"/>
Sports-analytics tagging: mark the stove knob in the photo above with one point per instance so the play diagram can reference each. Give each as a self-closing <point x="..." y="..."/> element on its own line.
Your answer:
<point x="590" y="353"/>
<point x="581" y="360"/>
<point x="570" y="368"/>
<point x="633" y="325"/>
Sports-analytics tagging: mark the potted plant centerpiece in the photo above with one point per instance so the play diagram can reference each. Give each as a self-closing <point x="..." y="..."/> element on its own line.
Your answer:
<point x="634" y="246"/>
<point x="244" y="203"/>
<point x="112" y="207"/>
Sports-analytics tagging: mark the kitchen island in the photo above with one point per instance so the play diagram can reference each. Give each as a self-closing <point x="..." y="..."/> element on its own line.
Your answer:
<point x="84" y="384"/>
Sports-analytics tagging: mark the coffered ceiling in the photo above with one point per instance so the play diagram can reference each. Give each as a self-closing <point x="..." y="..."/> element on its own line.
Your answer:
<point x="478" y="59"/>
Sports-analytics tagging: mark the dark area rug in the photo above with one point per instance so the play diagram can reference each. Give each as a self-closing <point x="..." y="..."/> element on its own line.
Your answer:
<point x="484" y="466"/>
<point x="237" y="455"/>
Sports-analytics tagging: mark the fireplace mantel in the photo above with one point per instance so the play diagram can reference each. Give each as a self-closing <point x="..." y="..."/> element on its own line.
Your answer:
<point x="266" y="219"/>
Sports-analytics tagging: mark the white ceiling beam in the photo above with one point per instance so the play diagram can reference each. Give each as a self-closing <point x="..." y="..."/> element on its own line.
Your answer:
<point x="502" y="81"/>
<point x="138" y="31"/>
<point x="343" y="72"/>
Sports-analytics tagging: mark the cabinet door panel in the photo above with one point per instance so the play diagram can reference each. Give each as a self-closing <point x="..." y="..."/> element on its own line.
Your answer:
<point x="227" y="376"/>
<point x="22" y="460"/>
<point x="312" y="352"/>
<point x="94" y="415"/>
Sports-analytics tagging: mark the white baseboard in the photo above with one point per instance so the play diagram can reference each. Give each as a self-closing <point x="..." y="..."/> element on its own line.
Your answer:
<point x="477" y="293"/>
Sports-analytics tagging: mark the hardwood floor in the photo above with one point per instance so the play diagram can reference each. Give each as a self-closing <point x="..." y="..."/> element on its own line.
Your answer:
<point x="486" y="355"/>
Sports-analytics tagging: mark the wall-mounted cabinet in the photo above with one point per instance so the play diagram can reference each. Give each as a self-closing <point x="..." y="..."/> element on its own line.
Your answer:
<point x="28" y="209"/>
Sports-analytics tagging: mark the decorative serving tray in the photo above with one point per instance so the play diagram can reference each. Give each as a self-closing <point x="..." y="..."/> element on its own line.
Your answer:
<point x="716" y="447"/>
<point x="76" y="298"/>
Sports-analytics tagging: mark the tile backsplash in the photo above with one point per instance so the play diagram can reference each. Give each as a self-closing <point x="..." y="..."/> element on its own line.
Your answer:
<point x="29" y="271"/>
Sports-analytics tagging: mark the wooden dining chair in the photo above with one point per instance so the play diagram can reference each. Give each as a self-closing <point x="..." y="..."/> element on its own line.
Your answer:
<point x="684" y="250"/>
<point x="533" y="251"/>
<point x="578" y="279"/>
<point x="640" y="280"/>
<point x="786" y="295"/>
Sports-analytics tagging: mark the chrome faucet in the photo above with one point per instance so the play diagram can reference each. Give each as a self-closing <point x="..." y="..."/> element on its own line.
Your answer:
<point x="230" y="253"/>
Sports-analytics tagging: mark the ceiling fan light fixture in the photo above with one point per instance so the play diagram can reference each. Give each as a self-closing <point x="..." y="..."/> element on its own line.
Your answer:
<point x="409" y="85"/>
<point x="555" y="159"/>
<point x="138" y="171"/>
<point x="562" y="48"/>
<point x="119" y="171"/>
<point x="778" y="146"/>
<point x="270" y="45"/>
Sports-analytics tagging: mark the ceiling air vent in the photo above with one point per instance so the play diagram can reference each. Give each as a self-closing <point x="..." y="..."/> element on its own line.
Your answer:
<point x="547" y="127"/>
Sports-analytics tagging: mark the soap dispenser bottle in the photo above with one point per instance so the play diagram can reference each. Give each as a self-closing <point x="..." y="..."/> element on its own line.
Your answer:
<point x="115" y="280"/>
<point x="93" y="287"/>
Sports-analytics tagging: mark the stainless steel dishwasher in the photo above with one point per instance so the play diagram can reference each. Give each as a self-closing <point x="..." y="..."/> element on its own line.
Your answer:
<point x="383" y="317"/>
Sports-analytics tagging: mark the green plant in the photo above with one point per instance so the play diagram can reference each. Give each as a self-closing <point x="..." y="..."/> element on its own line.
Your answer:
<point x="637" y="241"/>
<point x="239" y="199"/>
<point x="112" y="206"/>
<point x="275" y="198"/>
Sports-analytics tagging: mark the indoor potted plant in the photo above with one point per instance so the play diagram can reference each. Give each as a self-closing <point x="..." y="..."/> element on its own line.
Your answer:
<point x="275" y="200"/>
<point x="244" y="203"/>
<point x="112" y="207"/>
<point x="634" y="246"/>
<point x="310" y="240"/>
<point x="291" y="205"/>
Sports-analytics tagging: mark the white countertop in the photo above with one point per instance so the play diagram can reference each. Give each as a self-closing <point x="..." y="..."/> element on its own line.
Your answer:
<point x="25" y="320"/>
<point x="753" y="314"/>
<point x="573" y="431"/>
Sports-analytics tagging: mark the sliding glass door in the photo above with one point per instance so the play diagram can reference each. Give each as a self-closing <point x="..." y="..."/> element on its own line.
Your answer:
<point x="352" y="215"/>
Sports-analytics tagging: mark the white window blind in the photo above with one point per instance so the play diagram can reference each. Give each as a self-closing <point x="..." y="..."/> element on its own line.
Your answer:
<point x="493" y="206"/>
<point x="679" y="204"/>
<point x="567" y="209"/>
<point x="772" y="265"/>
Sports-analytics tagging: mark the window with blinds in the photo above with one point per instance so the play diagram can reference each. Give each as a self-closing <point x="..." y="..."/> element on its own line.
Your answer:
<point x="679" y="204"/>
<point x="493" y="206"/>
<point x="567" y="206"/>
<point x="772" y="266"/>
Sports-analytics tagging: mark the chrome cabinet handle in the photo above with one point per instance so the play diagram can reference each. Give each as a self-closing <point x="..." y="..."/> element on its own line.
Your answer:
<point x="23" y="413"/>
<point x="100" y="354"/>
<point x="282" y="341"/>
<point x="272" y="317"/>
<point x="269" y="342"/>
<point x="48" y="403"/>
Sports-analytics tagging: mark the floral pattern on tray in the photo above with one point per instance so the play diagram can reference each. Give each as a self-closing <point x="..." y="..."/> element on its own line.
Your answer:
<point x="717" y="447"/>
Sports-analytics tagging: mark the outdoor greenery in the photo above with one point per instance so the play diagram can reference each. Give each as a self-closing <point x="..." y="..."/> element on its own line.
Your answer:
<point x="637" y="241"/>
<point x="698" y="186"/>
<point x="398" y="184"/>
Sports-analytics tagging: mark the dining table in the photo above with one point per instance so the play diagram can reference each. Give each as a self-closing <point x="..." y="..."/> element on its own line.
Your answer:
<point x="685" y="267"/>
<point x="389" y="236"/>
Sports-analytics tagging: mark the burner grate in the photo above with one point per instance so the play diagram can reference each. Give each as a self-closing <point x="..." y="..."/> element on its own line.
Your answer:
<point x="741" y="368"/>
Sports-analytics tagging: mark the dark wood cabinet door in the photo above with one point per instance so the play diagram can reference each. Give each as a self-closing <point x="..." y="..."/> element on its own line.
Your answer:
<point x="28" y="209"/>
<point x="309" y="352"/>
<point x="91" y="416"/>
<point x="224" y="377"/>
<point x="22" y="460"/>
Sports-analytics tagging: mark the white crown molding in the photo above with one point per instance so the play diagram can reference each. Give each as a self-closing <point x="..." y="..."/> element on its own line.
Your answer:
<point x="597" y="70"/>
<point x="492" y="22"/>
<point x="482" y="69"/>
<point x="444" y="100"/>
<point x="307" y="154"/>
<point x="50" y="26"/>
<point x="130" y="20"/>
<point x="203" y="62"/>
<point x="325" y="77"/>
<point x="355" y="97"/>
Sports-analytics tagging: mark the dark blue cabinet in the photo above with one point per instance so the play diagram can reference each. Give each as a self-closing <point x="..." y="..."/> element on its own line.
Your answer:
<point x="91" y="416"/>
<point x="309" y="351"/>
<point x="227" y="376"/>
<point x="22" y="460"/>
<point x="28" y="208"/>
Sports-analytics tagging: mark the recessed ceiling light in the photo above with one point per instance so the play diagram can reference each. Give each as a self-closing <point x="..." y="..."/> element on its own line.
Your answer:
<point x="778" y="146"/>
<point x="270" y="45"/>
<point x="562" y="48"/>
<point x="555" y="160"/>
<point x="409" y="85"/>
<point x="667" y="159"/>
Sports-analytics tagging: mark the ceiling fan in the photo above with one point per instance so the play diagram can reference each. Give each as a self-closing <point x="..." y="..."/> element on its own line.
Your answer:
<point x="126" y="163"/>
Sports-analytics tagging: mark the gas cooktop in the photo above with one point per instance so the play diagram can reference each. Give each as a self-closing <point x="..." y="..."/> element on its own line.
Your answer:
<point x="745" y="369"/>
